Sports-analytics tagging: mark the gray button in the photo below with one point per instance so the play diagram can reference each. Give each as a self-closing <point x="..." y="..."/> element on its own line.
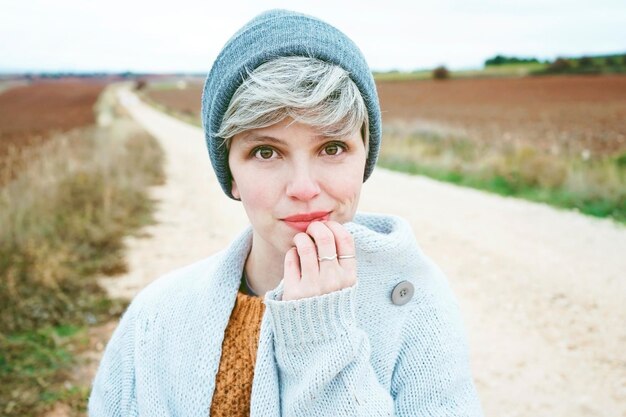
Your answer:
<point x="402" y="293"/>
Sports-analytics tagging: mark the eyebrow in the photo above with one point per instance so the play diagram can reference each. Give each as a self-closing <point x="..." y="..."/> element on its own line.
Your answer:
<point x="252" y="138"/>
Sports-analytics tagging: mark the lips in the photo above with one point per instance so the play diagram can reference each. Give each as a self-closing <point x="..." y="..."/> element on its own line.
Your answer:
<point x="307" y="217"/>
<point x="301" y="221"/>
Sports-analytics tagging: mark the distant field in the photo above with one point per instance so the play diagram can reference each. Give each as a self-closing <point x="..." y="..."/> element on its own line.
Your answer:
<point x="555" y="139"/>
<point x="554" y="113"/>
<point x="30" y="113"/>
<point x="185" y="101"/>
<point x="509" y="70"/>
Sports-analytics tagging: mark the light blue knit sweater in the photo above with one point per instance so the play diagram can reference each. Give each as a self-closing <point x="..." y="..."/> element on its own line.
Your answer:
<point x="348" y="353"/>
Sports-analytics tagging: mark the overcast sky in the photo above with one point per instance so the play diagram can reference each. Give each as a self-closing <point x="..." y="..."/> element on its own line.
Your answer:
<point x="186" y="35"/>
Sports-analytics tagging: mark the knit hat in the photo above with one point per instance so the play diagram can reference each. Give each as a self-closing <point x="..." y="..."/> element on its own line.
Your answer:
<point x="270" y="35"/>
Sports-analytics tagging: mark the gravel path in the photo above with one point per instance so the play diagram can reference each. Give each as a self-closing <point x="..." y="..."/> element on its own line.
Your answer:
<point x="543" y="291"/>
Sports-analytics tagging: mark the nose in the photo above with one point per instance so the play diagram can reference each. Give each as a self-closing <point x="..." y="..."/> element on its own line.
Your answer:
<point x="302" y="183"/>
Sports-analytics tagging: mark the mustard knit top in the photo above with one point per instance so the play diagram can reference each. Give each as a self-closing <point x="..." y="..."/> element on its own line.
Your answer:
<point x="233" y="384"/>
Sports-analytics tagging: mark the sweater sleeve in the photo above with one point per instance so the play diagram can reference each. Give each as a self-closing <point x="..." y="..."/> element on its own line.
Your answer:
<point x="323" y="358"/>
<point x="324" y="364"/>
<point x="113" y="390"/>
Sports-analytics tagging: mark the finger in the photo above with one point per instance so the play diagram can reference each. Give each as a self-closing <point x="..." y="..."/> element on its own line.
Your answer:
<point x="291" y="268"/>
<point x="325" y="243"/>
<point x="291" y="275"/>
<point x="344" y="243"/>
<point x="309" y="267"/>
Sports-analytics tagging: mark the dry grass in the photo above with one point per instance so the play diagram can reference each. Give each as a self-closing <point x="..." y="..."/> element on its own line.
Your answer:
<point x="64" y="216"/>
<point x="62" y="221"/>
<point x="593" y="184"/>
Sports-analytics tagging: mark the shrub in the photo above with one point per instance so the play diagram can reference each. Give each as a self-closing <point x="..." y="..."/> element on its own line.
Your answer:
<point x="140" y="84"/>
<point x="560" y="65"/>
<point x="441" y="73"/>
<point x="586" y="61"/>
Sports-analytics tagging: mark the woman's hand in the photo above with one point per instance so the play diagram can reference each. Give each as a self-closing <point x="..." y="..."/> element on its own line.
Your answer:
<point x="306" y="275"/>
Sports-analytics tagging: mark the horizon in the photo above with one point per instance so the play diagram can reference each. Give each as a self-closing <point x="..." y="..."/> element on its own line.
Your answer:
<point x="71" y="36"/>
<point x="4" y="71"/>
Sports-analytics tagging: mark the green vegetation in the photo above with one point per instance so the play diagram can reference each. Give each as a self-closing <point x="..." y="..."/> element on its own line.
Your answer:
<point x="34" y="368"/>
<point x="504" y="60"/>
<point x="62" y="220"/>
<point x="504" y="70"/>
<point x="606" y="64"/>
<point x="502" y="66"/>
<point x="403" y="76"/>
<point x="594" y="186"/>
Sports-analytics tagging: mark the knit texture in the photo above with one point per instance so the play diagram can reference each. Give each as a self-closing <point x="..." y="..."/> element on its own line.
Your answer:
<point x="347" y="353"/>
<point x="270" y="35"/>
<point x="233" y="383"/>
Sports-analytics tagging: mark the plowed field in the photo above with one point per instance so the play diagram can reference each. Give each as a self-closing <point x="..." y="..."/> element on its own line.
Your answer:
<point x="571" y="113"/>
<point x="30" y="113"/>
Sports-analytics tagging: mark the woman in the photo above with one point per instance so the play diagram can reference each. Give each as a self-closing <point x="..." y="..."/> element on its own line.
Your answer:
<point x="314" y="310"/>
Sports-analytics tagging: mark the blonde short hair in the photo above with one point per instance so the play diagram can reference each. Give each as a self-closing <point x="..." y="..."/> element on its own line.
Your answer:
<point x="308" y="90"/>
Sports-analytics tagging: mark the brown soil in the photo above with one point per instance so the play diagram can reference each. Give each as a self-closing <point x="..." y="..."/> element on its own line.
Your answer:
<point x="186" y="101"/>
<point x="29" y="114"/>
<point x="569" y="113"/>
<point x="577" y="112"/>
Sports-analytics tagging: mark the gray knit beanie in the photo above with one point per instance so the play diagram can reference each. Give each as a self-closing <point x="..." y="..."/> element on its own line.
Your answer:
<point x="270" y="35"/>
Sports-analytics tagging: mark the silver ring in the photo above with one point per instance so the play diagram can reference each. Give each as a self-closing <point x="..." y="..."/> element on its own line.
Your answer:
<point x="327" y="258"/>
<point x="346" y="256"/>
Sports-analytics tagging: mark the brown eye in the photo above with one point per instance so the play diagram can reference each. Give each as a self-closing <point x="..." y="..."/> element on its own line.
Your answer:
<point x="334" y="149"/>
<point x="264" y="153"/>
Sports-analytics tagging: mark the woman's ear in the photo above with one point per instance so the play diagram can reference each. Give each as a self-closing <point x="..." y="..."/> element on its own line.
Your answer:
<point x="233" y="189"/>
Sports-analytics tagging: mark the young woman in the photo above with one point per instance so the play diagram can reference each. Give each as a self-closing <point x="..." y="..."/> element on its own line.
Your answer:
<point x="315" y="309"/>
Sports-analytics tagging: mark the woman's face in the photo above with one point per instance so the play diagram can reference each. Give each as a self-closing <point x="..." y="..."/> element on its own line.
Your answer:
<point x="289" y="169"/>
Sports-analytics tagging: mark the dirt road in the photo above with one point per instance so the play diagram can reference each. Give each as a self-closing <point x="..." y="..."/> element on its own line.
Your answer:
<point x="543" y="291"/>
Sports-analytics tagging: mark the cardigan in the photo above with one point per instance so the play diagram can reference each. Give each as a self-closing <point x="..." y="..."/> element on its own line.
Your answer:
<point x="233" y="383"/>
<point x="351" y="352"/>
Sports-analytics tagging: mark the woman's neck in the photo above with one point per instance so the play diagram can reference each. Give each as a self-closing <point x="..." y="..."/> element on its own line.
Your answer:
<point x="263" y="267"/>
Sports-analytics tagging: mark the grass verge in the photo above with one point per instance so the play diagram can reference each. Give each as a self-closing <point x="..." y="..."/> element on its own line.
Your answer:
<point x="593" y="186"/>
<point x="35" y="367"/>
<point x="63" y="219"/>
